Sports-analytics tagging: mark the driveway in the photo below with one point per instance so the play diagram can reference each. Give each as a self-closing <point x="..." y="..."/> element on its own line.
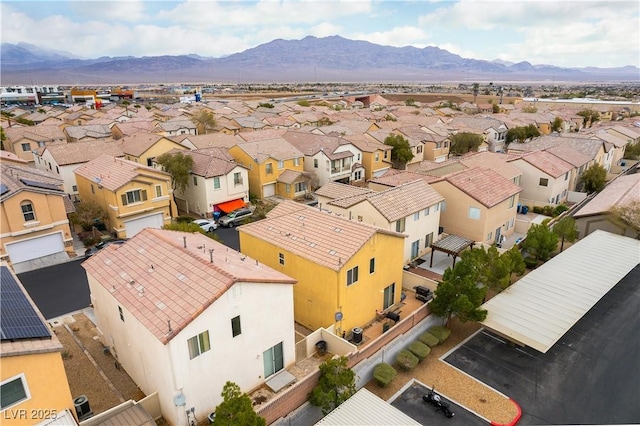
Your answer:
<point x="590" y="376"/>
<point x="59" y="289"/>
<point x="229" y="237"/>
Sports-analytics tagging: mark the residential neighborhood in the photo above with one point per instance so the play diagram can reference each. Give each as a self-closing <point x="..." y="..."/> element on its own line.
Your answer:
<point x="355" y="214"/>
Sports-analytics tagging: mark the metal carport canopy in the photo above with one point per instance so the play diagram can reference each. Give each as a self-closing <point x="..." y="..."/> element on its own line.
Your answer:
<point x="543" y="305"/>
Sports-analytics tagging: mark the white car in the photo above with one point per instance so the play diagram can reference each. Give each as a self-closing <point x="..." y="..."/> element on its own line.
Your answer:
<point x="209" y="225"/>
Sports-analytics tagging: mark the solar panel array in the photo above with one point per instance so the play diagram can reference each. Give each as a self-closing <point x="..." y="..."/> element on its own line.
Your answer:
<point x="18" y="318"/>
<point x="36" y="184"/>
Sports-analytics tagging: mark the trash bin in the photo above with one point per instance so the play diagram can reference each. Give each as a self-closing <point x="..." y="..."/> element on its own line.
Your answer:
<point x="321" y="347"/>
<point x="525" y="209"/>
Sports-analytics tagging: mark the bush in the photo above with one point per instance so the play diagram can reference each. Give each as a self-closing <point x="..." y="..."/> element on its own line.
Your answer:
<point x="184" y="219"/>
<point x="419" y="349"/>
<point x="559" y="210"/>
<point x="547" y="210"/>
<point x="440" y="332"/>
<point x="530" y="262"/>
<point x="429" y="339"/>
<point x="406" y="360"/>
<point x="384" y="374"/>
<point x="537" y="210"/>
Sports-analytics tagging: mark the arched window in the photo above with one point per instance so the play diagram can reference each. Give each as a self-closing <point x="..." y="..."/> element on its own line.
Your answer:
<point x="27" y="211"/>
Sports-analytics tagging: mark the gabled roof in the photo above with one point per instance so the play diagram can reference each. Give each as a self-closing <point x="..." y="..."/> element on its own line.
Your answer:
<point x="131" y="127"/>
<point x="317" y="236"/>
<point x="622" y="190"/>
<point x="310" y="144"/>
<point x="113" y="173"/>
<point x="138" y="143"/>
<point x="46" y="133"/>
<point x="404" y="200"/>
<point x="160" y="281"/>
<point x="11" y="157"/>
<point x="335" y="190"/>
<point x="497" y="162"/>
<point x="16" y="178"/>
<point x="176" y="124"/>
<point x="211" y="162"/>
<point x="81" y="152"/>
<point x="395" y="177"/>
<point x="569" y="154"/>
<point x="278" y="148"/>
<point x="259" y="135"/>
<point x="548" y="163"/>
<point x="292" y="176"/>
<point x="209" y="140"/>
<point x="367" y="143"/>
<point x="483" y="185"/>
<point x="97" y="131"/>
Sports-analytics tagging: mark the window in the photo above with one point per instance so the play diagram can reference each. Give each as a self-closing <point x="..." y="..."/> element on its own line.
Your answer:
<point x="474" y="213"/>
<point x="121" y="313"/>
<point x="198" y="344"/>
<point x="400" y="225"/>
<point x="426" y="211"/>
<point x="273" y="359"/>
<point x="443" y="205"/>
<point x="269" y="168"/>
<point x="415" y="247"/>
<point x="352" y="275"/>
<point x="372" y="265"/>
<point x="419" y="149"/>
<point x="74" y="188"/>
<point x="135" y="196"/>
<point x="328" y="165"/>
<point x="236" y="329"/>
<point x="296" y="161"/>
<point x="26" y="147"/>
<point x="489" y="236"/>
<point x="281" y="258"/>
<point x="237" y="178"/>
<point x="13" y="391"/>
<point x="416" y="216"/>
<point x="57" y="170"/>
<point x="544" y="182"/>
<point x="315" y="163"/>
<point x="357" y="175"/>
<point x="287" y="188"/>
<point x="158" y="190"/>
<point x="377" y="156"/>
<point x="280" y="165"/>
<point x="389" y="295"/>
<point x="512" y="200"/>
<point x="195" y="181"/>
<point x="428" y="239"/>
<point x="436" y="207"/>
<point x="566" y="176"/>
<point x="93" y="190"/>
<point x="516" y="180"/>
<point x="386" y="154"/>
<point x="27" y="211"/>
<point x="301" y="186"/>
<point x="216" y="182"/>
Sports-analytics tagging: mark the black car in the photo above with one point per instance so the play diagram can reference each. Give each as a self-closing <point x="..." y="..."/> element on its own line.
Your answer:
<point x="102" y="244"/>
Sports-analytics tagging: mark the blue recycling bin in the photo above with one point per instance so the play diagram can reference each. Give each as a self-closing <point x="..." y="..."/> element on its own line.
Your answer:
<point x="525" y="209"/>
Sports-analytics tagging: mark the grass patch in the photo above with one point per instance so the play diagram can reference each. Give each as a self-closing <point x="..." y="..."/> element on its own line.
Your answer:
<point x="384" y="374"/>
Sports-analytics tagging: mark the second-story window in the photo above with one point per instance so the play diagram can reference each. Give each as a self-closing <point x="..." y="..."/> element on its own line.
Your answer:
<point x="237" y="178"/>
<point x="315" y="163"/>
<point x="28" y="212"/>
<point x="416" y="216"/>
<point x="236" y="329"/>
<point x="372" y="265"/>
<point x="544" y="182"/>
<point x="216" y="182"/>
<point x="400" y="225"/>
<point x="378" y="156"/>
<point x="352" y="275"/>
<point x="474" y="213"/>
<point x="135" y="196"/>
<point x="281" y="258"/>
<point x="426" y="211"/>
<point x="158" y="191"/>
<point x="195" y="181"/>
<point x="268" y="168"/>
<point x="198" y="344"/>
<point x="296" y="161"/>
<point x="26" y="147"/>
<point x="280" y="165"/>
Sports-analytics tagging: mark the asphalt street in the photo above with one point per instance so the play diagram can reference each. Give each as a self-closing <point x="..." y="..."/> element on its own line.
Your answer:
<point x="590" y="376"/>
<point x="229" y="237"/>
<point x="58" y="289"/>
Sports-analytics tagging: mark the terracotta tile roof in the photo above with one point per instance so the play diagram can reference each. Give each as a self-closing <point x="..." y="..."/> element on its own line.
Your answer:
<point x="115" y="172"/>
<point x="291" y="177"/>
<point x="97" y="131"/>
<point x="618" y="141"/>
<point x="312" y="234"/>
<point x="622" y="190"/>
<point x="404" y="200"/>
<point x="211" y="162"/>
<point x="367" y="143"/>
<point x="138" y="143"/>
<point x="81" y="152"/>
<point x="131" y="127"/>
<point x="569" y="154"/>
<point x="14" y="176"/>
<point x="337" y="190"/>
<point x="259" y="135"/>
<point x="209" y="140"/>
<point x="157" y="279"/>
<point x="495" y="161"/>
<point x="484" y="185"/>
<point x="36" y="133"/>
<point x="394" y="177"/>
<point x="176" y="124"/>
<point x="10" y="156"/>
<point x="548" y="163"/>
<point x="310" y="143"/>
<point x="277" y="148"/>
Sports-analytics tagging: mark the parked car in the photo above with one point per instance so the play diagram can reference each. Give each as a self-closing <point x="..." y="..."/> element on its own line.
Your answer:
<point x="102" y="244"/>
<point x="208" y="225"/>
<point x="235" y="217"/>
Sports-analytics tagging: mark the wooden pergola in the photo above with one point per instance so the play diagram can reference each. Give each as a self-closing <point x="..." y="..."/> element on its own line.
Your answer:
<point x="452" y="245"/>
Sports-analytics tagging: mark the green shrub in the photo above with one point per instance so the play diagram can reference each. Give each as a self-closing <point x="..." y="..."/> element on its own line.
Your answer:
<point x="530" y="262"/>
<point x="440" y="332"/>
<point x="561" y="208"/>
<point x="384" y="373"/>
<point x="547" y="210"/>
<point x="184" y="219"/>
<point x="406" y="360"/>
<point x="419" y="349"/>
<point x="537" y="210"/>
<point x="429" y="339"/>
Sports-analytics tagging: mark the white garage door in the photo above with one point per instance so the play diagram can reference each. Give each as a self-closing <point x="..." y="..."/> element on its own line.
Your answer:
<point x="132" y="227"/>
<point x="269" y="189"/>
<point x="35" y="248"/>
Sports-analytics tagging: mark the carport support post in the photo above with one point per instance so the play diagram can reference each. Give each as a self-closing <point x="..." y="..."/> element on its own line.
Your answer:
<point x="431" y="262"/>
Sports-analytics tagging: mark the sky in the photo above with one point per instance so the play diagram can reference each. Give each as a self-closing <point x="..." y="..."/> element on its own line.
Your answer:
<point x="575" y="33"/>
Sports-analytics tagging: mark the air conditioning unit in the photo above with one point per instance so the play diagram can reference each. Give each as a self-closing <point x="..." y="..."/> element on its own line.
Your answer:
<point x="356" y="335"/>
<point x="83" y="410"/>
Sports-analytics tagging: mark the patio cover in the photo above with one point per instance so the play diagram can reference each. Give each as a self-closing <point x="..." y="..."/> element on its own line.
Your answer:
<point x="453" y="245"/>
<point x="543" y="305"/>
<point x="230" y="206"/>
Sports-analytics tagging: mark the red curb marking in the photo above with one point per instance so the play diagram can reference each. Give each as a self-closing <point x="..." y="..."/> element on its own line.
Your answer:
<point x="515" y="420"/>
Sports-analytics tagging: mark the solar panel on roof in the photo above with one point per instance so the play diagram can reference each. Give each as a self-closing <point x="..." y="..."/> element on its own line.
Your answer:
<point x="36" y="184"/>
<point x="18" y="318"/>
<point x="3" y="189"/>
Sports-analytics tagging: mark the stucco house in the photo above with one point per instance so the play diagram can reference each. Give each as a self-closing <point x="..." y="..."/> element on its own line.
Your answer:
<point x="143" y="147"/>
<point x="545" y="178"/>
<point x="376" y="156"/>
<point x="22" y="141"/>
<point x="347" y="271"/>
<point x="34" y="222"/>
<point x="183" y="315"/>
<point x="133" y="196"/>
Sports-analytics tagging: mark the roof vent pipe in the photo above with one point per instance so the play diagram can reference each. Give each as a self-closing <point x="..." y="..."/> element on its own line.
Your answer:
<point x="211" y="255"/>
<point x="185" y="241"/>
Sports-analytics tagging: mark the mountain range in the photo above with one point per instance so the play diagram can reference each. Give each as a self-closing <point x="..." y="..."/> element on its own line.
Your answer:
<point x="309" y="60"/>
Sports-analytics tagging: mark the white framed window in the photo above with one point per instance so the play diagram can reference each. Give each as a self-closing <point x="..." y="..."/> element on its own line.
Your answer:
<point x="198" y="344"/>
<point x="273" y="359"/>
<point x="389" y="295"/>
<point x="216" y="182"/>
<point x="296" y="161"/>
<point x="428" y="239"/>
<point x="28" y="212"/>
<point x="300" y="186"/>
<point x="426" y="211"/>
<point x="134" y="196"/>
<point x="281" y="258"/>
<point x="280" y="165"/>
<point x="352" y="275"/>
<point x="436" y="207"/>
<point x="416" y="216"/>
<point x="287" y="188"/>
<point x="512" y="200"/>
<point x="377" y="156"/>
<point x="400" y="225"/>
<point x="419" y="149"/>
<point x="158" y="191"/>
<point x="474" y="213"/>
<point x="237" y="179"/>
<point x="74" y="188"/>
<point x="357" y="175"/>
<point x="26" y="147"/>
<point x="489" y="236"/>
<point x="14" y="391"/>
<point x="566" y="176"/>
<point x="269" y="168"/>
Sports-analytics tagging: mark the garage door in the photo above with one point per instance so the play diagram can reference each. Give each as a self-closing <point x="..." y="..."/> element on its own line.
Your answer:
<point x="132" y="227"/>
<point x="35" y="248"/>
<point x="269" y="189"/>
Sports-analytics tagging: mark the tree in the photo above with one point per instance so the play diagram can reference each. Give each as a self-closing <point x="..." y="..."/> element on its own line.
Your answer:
<point x="594" y="178"/>
<point x="401" y="152"/>
<point x="589" y="116"/>
<point x="627" y="215"/>
<point x="495" y="108"/>
<point x="337" y="384"/>
<point x="556" y="126"/>
<point x="494" y="269"/>
<point x="515" y="261"/>
<point x="464" y="142"/>
<point x="566" y="229"/>
<point x="126" y="106"/>
<point x="531" y="131"/>
<point x="410" y="102"/>
<point x="87" y="214"/>
<point x="540" y="242"/>
<point x="516" y="134"/>
<point x="476" y="86"/>
<point x="3" y="137"/>
<point x="236" y="408"/>
<point x="204" y="121"/>
<point x="632" y="152"/>
<point x="9" y="116"/>
<point x="459" y="294"/>
<point x="179" y="166"/>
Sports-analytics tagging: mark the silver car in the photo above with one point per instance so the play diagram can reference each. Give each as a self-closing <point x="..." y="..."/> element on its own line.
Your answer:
<point x="235" y="217"/>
